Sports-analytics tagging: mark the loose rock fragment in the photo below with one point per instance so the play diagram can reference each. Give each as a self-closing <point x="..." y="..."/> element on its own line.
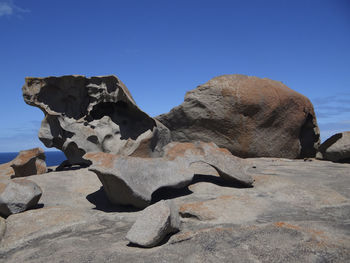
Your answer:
<point x="18" y="195"/>
<point x="154" y="224"/>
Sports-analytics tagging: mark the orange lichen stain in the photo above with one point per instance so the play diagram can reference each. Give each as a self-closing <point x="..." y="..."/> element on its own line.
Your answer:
<point x="198" y="209"/>
<point x="101" y="158"/>
<point x="179" y="150"/>
<point x="262" y="178"/>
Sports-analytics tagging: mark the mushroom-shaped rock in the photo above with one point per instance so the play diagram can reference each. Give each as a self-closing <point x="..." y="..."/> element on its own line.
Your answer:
<point x="154" y="224"/>
<point x="336" y="148"/>
<point x="249" y="116"/>
<point x="133" y="180"/>
<point x="94" y="114"/>
<point x="29" y="162"/>
<point x="18" y="195"/>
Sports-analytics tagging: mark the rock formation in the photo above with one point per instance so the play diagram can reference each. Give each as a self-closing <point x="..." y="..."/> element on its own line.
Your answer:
<point x="133" y="180"/>
<point x="336" y="148"/>
<point x="17" y="196"/>
<point x="29" y="162"/>
<point x="154" y="224"/>
<point x="296" y="212"/>
<point x="93" y="114"/>
<point x="251" y="117"/>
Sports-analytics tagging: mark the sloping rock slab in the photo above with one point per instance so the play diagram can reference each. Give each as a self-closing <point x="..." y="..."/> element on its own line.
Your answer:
<point x="92" y="114"/>
<point x="336" y="148"/>
<point x="132" y="180"/>
<point x="296" y="212"/>
<point x="154" y="224"/>
<point x="17" y="196"/>
<point x="29" y="162"/>
<point x="250" y="116"/>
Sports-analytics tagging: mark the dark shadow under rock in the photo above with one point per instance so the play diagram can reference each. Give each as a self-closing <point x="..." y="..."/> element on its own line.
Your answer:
<point x="100" y="200"/>
<point x="218" y="181"/>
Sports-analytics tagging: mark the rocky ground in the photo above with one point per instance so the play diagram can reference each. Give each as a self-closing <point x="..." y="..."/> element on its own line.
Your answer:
<point x="297" y="211"/>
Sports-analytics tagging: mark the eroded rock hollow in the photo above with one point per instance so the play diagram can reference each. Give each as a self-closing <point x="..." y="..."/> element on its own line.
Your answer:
<point x="96" y="114"/>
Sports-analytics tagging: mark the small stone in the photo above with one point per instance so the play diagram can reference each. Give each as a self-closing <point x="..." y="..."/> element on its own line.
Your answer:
<point x="17" y="196"/>
<point x="154" y="224"/>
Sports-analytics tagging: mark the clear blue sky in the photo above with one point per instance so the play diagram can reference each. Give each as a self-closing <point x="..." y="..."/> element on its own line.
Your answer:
<point x="161" y="49"/>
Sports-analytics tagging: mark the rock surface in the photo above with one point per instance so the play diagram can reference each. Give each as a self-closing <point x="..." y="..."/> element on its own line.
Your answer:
<point x="134" y="180"/>
<point x="336" y="148"/>
<point x="2" y="227"/>
<point x="296" y="212"/>
<point x="6" y="170"/>
<point x="29" y="162"/>
<point x="251" y="117"/>
<point x="93" y="114"/>
<point x="154" y="224"/>
<point x="18" y="195"/>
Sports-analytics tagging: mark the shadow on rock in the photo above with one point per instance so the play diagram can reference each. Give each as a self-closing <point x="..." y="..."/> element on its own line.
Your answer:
<point x="165" y="193"/>
<point x="218" y="181"/>
<point x="100" y="200"/>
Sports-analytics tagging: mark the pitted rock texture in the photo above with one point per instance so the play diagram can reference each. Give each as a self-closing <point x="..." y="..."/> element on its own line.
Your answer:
<point x="92" y="114"/>
<point x="29" y="162"/>
<point x="134" y="180"/>
<point x="154" y="224"/>
<point x="18" y="195"/>
<point x="336" y="148"/>
<point x="251" y="117"/>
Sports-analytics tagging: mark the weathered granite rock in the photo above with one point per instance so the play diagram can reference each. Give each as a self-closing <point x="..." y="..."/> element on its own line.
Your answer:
<point x="154" y="224"/>
<point x="17" y="196"/>
<point x="6" y="170"/>
<point x="133" y="180"/>
<point x="93" y="114"/>
<point x="230" y="168"/>
<point x="336" y="148"/>
<point x="249" y="116"/>
<point x="296" y="212"/>
<point x="29" y="162"/>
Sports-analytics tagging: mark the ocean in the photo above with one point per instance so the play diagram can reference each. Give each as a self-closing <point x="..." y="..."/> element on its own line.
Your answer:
<point x="52" y="158"/>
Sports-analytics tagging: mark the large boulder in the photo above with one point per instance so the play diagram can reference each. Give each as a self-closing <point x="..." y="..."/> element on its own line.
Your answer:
<point x="133" y="180"/>
<point x="154" y="224"/>
<point x="251" y="117"/>
<point x="336" y="148"/>
<point x="29" y="162"/>
<point x="18" y="195"/>
<point x="93" y="114"/>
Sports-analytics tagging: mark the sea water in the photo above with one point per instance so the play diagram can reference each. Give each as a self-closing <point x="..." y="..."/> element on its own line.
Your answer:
<point x="52" y="158"/>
